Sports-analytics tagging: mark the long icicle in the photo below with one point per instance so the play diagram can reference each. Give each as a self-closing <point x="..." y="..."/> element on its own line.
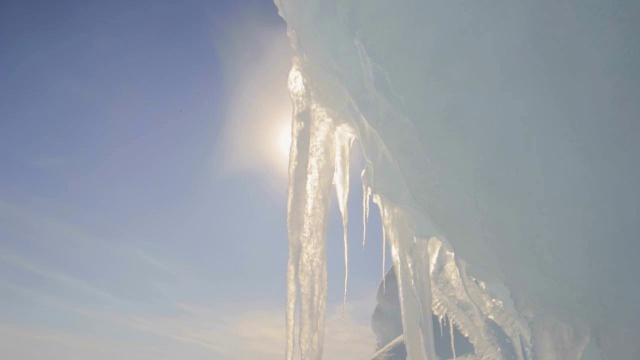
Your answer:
<point x="311" y="170"/>
<point x="376" y="199"/>
<point x="343" y="140"/>
<point x="413" y="279"/>
<point x="453" y="345"/>
<point x="366" y="194"/>
<point x="384" y="260"/>
<point x="312" y="274"/>
<point x="296" y="198"/>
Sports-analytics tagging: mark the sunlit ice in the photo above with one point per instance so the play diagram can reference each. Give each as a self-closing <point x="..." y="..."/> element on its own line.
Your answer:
<point x="463" y="174"/>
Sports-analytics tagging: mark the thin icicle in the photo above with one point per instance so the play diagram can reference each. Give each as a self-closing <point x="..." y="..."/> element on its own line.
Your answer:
<point x="453" y="345"/>
<point x="365" y="199"/>
<point x="365" y="203"/>
<point x="346" y="266"/>
<point x="343" y="140"/>
<point x="368" y="205"/>
<point x="440" y="319"/>
<point x="366" y="194"/>
<point x="384" y="259"/>
<point x="377" y="200"/>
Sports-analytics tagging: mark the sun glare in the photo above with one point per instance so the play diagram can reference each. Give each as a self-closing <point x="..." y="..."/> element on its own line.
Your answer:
<point x="284" y="141"/>
<point x="279" y="145"/>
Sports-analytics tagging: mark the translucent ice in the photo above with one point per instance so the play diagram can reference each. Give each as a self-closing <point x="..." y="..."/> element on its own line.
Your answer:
<point x="507" y="131"/>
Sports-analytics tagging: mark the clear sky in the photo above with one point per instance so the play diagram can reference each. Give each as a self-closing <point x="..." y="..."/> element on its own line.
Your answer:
<point x="142" y="185"/>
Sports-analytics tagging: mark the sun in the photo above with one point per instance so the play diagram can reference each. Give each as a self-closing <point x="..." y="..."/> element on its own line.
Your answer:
<point x="284" y="140"/>
<point x="278" y="145"/>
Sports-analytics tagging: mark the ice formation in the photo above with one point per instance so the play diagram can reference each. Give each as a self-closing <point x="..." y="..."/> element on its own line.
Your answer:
<point x="481" y="126"/>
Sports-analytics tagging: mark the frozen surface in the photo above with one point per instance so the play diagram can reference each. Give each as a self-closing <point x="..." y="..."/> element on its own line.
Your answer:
<point x="501" y="149"/>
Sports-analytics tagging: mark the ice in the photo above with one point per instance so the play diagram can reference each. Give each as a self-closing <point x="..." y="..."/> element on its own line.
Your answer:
<point x="464" y="301"/>
<point x="343" y="140"/>
<point x="414" y="285"/>
<point x="453" y="344"/>
<point x="312" y="272"/>
<point x="392" y="351"/>
<point x="501" y="147"/>
<point x="378" y="201"/>
<point x="297" y="195"/>
<point x="366" y="196"/>
<point x="319" y="159"/>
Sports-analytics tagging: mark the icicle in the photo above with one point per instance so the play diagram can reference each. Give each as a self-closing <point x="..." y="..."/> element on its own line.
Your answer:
<point x="365" y="200"/>
<point x="503" y="314"/>
<point x="298" y="162"/>
<point x="455" y="303"/>
<point x="440" y="320"/>
<point x="319" y="154"/>
<point x="414" y="286"/>
<point x="311" y="170"/>
<point x="343" y="140"/>
<point x="368" y="205"/>
<point x="366" y="194"/>
<point x="465" y="301"/>
<point x="376" y="199"/>
<point x="453" y="345"/>
<point x="312" y="275"/>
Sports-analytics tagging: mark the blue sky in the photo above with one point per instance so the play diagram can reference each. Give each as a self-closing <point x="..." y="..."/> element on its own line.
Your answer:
<point x="142" y="210"/>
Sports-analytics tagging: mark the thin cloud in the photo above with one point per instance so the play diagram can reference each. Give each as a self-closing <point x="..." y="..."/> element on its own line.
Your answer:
<point x="243" y="331"/>
<point x="78" y="266"/>
<point x="259" y="333"/>
<point x="58" y="277"/>
<point x="255" y="59"/>
<point x="37" y="227"/>
<point x="32" y="343"/>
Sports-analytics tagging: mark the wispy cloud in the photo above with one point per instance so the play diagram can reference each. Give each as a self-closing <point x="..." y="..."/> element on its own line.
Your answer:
<point x="231" y="332"/>
<point x="60" y="278"/>
<point x="241" y="331"/>
<point x="40" y="227"/>
<point x="245" y="332"/>
<point x="32" y="343"/>
<point x="52" y="257"/>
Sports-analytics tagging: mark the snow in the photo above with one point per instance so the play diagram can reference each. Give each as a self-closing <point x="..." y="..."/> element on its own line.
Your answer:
<point x="500" y="147"/>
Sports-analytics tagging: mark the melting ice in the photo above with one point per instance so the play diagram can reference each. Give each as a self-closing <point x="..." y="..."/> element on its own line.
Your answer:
<point x="508" y="202"/>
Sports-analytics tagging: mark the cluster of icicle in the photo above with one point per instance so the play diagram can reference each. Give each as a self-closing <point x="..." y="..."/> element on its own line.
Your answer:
<point x="465" y="303"/>
<point x="430" y="279"/>
<point x="319" y="159"/>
